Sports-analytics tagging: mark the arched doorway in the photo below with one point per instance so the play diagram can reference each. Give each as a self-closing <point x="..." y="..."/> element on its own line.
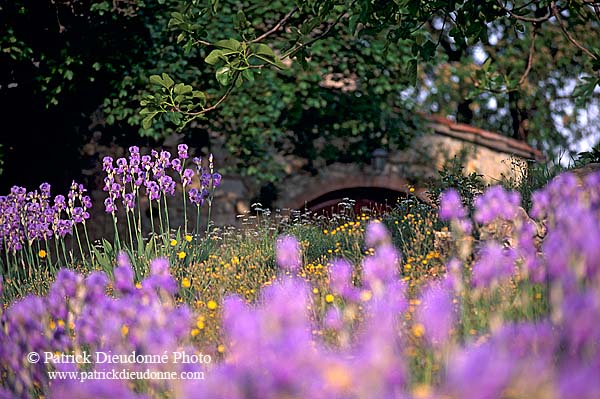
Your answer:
<point x="373" y="199"/>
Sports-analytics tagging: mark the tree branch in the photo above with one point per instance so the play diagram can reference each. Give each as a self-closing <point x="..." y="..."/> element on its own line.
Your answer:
<point x="276" y="27"/>
<point x="567" y="34"/>
<point x="294" y="50"/>
<point x="220" y="101"/>
<point x="530" y="58"/>
<point x="522" y="18"/>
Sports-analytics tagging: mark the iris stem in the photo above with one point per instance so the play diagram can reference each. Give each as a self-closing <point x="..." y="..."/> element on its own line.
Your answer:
<point x="129" y="227"/>
<point x="160" y="219"/>
<point x="117" y="239"/>
<point x="184" y="212"/>
<point x="167" y="215"/>
<point x="152" y="223"/>
<point x="87" y="239"/>
<point x="79" y="243"/>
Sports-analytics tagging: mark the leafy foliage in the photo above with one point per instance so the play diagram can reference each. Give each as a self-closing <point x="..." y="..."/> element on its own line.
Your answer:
<point x="329" y="80"/>
<point x="453" y="176"/>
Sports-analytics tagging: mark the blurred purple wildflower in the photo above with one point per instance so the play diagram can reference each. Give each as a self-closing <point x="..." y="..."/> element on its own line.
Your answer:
<point x="436" y="313"/>
<point x="333" y="319"/>
<point x="123" y="274"/>
<point x="376" y="234"/>
<point x="494" y="264"/>
<point x="451" y="206"/>
<point x="496" y="202"/>
<point x="287" y="252"/>
<point x="340" y="279"/>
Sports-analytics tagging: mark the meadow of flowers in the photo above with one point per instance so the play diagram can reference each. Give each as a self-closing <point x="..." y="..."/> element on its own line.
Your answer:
<point x="357" y="306"/>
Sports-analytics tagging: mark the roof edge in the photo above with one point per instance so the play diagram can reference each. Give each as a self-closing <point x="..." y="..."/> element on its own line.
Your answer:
<point x="492" y="140"/>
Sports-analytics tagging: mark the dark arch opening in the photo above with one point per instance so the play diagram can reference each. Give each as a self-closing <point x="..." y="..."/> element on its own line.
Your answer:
<point x="375" y="199"/>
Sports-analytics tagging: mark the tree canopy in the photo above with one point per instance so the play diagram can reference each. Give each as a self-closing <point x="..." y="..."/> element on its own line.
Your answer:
<point x="324" y="79"/>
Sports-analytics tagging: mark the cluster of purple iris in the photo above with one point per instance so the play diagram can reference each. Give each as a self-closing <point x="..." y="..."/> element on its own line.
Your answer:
<point x="153" y="173"/>
<point x="29" y="216"/>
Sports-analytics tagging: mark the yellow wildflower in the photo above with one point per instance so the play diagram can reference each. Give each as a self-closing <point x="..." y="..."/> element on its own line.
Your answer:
<point x="42" y="254"/>
<point x="366" y="295"/>
<point x="188" y="238"/>
<point x="181" y="255"/>
<point x="173" y="242"/>
<point x="418" y="330"/>
<point x="212" y="305"/>
<point x="422" y="391"/>
<point x="124" y="330"/>
<point x="186" y="283"/>
<point x="338" y="377"/>
<point x="329" y="298"/>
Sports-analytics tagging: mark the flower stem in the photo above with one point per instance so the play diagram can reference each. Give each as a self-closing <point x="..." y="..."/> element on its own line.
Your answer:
<point x="184" y="212"/>
<point x="79" y="243"/>
<point x="167" y="215"/>
<point x="87" y="239"/>
<point x="117" y="239"/>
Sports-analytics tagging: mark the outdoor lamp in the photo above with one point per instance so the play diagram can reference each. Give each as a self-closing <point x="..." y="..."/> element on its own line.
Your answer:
<point x="380" y="157"/>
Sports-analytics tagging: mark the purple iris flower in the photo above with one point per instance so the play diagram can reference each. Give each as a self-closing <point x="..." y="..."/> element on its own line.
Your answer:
<point x="182" y="151"/>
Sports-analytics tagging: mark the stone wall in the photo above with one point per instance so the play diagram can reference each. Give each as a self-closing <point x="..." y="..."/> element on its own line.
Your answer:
<point x="412" y="167"/>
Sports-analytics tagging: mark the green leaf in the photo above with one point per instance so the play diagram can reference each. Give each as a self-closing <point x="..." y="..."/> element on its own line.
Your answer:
<point x="428" y="50"/>
<point x="201" y="96"/>
<point x="188" y="46"/>
<point x="102" y="259"/>
<point x="174" y="117"/>
<point x="262" y="49"/>
<point x="223" y="75"/>
<point x="149" y="247"/>
<point x="487" y="63"/>
<point x="213" y="57"/>
<point x="146" y="111"/>
<point x="411" y="71"/>
<point x="248" y="75"/>
<point x="181" y="88"/>
<point x="238" y="81"/>
<point x="147" y="121"/>
<point x="167" y="81"/>
<point x="108" y="249"/>
<point x="157" y="80"/>
<point x="230" y="44"/>
<point x="275" y="61"/>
